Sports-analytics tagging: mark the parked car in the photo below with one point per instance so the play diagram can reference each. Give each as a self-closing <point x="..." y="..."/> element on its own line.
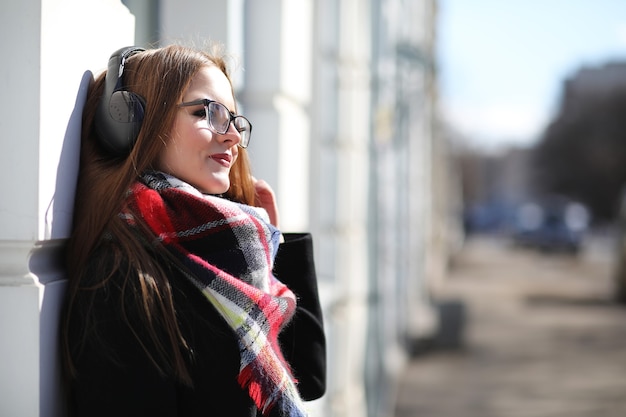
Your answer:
<point x="553" y="224"/>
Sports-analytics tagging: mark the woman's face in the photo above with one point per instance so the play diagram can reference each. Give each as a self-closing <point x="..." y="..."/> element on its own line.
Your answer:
<point x="194" y="153"/>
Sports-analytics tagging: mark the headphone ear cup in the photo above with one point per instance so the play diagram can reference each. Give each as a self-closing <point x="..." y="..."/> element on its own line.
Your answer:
<point x="126" y="110"/>
<point x="126" y="107"/>
<point x="120" y="112"/>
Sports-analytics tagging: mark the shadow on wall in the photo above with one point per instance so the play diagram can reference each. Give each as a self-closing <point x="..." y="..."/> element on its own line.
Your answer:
<point x="46" y="260"/>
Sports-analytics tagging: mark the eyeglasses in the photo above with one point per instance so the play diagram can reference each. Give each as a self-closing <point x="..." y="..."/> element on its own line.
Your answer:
<point x="219" y="119"/>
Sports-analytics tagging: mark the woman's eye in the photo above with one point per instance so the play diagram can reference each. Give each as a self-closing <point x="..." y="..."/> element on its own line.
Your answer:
<point x="200" y="113"/>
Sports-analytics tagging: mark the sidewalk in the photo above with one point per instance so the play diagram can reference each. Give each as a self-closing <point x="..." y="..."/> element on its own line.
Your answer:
<point x="542" y="339"/>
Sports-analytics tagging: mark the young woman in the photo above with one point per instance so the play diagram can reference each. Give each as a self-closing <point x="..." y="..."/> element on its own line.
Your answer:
<point x="181" y="300"/>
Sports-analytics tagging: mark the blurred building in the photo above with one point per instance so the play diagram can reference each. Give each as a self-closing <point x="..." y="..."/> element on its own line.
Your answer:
<point x="581" y="153"/>
<point x="591" y="83"/>
<point x="343" y="98"/>
<point x="601" y="79"/>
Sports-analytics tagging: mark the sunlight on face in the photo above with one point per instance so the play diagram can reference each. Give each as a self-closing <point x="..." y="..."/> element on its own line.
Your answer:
<point x="194" y="153"/>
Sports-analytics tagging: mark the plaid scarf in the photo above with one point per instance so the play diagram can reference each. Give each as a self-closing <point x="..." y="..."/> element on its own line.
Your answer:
<point x="227" y="250"/>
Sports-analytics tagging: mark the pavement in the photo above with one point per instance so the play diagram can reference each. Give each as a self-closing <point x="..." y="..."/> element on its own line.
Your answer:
<point x="541" y="338"/>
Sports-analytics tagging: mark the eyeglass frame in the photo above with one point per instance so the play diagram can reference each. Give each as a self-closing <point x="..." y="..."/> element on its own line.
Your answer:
<point x="206" y="102"/>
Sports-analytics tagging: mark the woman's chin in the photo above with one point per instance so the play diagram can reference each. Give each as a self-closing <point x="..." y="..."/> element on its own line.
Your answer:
<point x="218" y="187"/>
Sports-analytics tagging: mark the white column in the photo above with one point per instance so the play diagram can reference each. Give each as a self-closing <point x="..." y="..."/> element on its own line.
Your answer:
<point x="277" y="95"/>
<point x="49" y="44"/>
<point x="194" y="21"/>
<point x="351" y="147"/>
<point x="339" y="199"/>
<point x="19" y="224"/>
<point x="200" y="22"/>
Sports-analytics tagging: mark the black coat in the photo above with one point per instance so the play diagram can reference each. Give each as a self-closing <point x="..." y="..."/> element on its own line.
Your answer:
<point x="116" y="378"/>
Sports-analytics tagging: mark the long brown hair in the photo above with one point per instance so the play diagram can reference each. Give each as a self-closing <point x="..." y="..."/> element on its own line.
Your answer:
<point x="161" y="76"/>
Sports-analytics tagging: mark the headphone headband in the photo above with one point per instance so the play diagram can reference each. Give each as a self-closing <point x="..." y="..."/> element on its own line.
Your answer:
<point x="120" y="112"/>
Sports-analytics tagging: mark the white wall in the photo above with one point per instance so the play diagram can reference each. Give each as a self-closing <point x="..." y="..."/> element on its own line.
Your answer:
<point x="339" y="175"/>
<point x="48" y="47"/>
<point x="198" y="22"/>
<point x="277" y="96"/>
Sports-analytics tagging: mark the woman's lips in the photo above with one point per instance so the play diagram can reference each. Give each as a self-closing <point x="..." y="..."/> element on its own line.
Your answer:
<point x="223" y="159"/>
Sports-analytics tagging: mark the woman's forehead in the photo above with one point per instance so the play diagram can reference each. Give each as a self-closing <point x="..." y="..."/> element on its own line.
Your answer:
<point x="210" y="82"/>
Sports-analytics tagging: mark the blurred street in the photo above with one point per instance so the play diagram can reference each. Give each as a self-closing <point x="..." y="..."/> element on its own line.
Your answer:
<point x="542" y="339"/>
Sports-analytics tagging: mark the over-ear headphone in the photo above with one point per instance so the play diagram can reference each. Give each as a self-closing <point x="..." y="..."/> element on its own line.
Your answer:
<point x="120" y="112"/>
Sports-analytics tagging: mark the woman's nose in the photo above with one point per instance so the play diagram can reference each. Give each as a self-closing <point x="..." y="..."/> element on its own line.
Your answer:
<point x="232" y="134"/>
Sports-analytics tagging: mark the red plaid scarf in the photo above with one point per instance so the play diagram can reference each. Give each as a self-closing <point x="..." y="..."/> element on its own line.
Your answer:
<point x="227" y="250"/>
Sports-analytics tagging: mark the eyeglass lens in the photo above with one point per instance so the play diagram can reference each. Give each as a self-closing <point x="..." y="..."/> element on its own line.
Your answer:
<point x="220" y="118"/>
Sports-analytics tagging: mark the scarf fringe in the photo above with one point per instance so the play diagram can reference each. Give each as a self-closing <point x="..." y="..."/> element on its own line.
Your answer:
<point x="266" y="402"/>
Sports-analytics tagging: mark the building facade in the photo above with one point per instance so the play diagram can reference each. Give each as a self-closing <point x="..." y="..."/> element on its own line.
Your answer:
<point x="343" y="98"/>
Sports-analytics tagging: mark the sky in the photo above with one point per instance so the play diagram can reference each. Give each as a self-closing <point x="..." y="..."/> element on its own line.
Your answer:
<point x="502" y="62"/>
